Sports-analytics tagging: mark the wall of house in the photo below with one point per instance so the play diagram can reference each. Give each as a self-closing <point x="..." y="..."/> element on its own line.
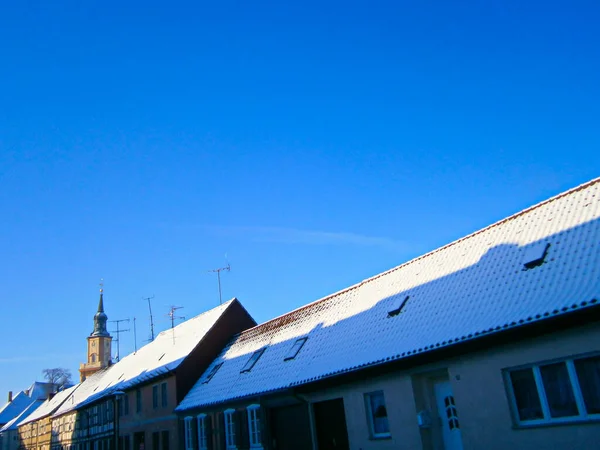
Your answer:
<point x="478" y="386"/>
<point x="152" y="420"/>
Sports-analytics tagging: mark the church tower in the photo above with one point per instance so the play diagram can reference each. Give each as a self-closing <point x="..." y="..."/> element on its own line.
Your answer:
<point x="98" y="343"/>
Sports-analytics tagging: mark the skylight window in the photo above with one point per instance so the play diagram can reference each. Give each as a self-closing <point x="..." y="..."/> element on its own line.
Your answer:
<point x="397" y="306"/>
<point x="212" y="372"/>
<point x="295" y="349"/>
<point x="252" y="361"/>
<point x="535" y="255"/>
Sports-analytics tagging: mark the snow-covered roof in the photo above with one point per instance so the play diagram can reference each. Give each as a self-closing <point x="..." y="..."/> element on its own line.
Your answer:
<point x="159" y="357"/>
<point x="12" y="409"/>
<point x="500" y="277"/>
<point x="49" y="406"/>
<point x="12" y="425"/>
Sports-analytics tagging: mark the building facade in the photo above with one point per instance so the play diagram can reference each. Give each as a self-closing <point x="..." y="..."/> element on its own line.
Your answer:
<point x="488" y="342"/>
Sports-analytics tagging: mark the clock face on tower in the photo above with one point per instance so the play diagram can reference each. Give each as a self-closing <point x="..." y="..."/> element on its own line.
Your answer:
<point x="93" y="343"/>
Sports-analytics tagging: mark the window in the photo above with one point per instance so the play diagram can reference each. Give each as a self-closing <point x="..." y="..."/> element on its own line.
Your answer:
<point x="163" y="394"/>
<point x="377" y="417"/>
<point x="138" y="401"/>
<point x="212" y="372"/>
<point x="165" y="439"/>
<point x="397" y="306"/>
<point x="229" y="429"/>
<point x="556" y="392"/>
<point x="156" y="440"/>
<point x="202" y="432"/>
<point x="188" y="433"/>
<point x="254" y="426"/>
<point x="295" y="349"/>
<point x="123" y="405"/>
<point x="252" y="361"/>
<point x="155" y="396"/>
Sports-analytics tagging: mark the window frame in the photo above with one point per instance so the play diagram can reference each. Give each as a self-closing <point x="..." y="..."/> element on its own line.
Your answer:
<point x="296" y="347"/>
<point x="229" y="421"/>
<point x="202" y="432"/>
<point x="188" y="433"/>
<point x="254" y="431"/>
<point x="164" y="394"/>
<point x="254" y="358"/>
<point x="155" y="396"/>
<point x="371" y="416"/>
<point x="547" y="419"/>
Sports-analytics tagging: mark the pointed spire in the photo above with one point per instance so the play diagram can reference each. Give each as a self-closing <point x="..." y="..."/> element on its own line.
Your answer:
<point x="101" y="302"/>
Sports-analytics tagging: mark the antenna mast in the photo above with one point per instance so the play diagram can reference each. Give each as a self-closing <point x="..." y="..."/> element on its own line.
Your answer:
<point x="151" y="319"/>
<point x="118" y="338"/>
<point x="219" y="270"/>
<point x="134" y="337"/>
<point x="172" y="316"/>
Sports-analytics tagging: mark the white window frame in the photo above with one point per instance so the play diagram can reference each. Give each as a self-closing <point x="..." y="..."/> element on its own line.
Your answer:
<point x="370" y="414"/>
<point x="229" y="429"/>
<point x="254" y="426"/>
<point x="189" y="443"/>
<point x="548" y="419"/>
<point x="202" y="432"/>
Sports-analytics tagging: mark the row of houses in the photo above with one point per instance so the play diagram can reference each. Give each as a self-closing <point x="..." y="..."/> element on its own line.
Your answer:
<point x="492" y="341"/>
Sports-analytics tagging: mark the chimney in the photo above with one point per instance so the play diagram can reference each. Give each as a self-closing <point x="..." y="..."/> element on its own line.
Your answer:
<point x="9" y="396"/>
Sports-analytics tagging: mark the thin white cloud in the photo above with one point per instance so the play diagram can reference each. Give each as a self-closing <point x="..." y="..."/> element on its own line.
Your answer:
<point x="33" y="358"/>
<point x="310" y="237"/>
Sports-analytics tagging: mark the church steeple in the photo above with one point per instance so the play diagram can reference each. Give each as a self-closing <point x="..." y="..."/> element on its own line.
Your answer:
<point x="99" y="342"/>
<point x="100" y="318"/>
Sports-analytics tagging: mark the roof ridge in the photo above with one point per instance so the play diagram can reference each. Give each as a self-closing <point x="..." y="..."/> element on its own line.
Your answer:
<point x="418" y="258"/>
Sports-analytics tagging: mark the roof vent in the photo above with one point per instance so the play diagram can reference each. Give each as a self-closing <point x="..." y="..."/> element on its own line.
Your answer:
<point x="535" y="255"/>
<point x="397" y="306"/>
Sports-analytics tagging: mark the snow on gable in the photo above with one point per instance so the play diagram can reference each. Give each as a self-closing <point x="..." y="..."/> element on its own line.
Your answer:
<point x="49" y="406"/>
<point x="476" y="285"/>
<point x="161" y="356"/>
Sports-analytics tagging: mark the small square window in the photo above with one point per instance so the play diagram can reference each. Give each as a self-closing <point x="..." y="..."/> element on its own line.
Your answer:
<point x="377" y="416"/>
<point x="295" y="349"/>
<point x="252" y="361"/>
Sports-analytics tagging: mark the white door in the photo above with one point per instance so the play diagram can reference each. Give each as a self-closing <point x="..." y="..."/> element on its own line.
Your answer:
<point x="448" y="415"/>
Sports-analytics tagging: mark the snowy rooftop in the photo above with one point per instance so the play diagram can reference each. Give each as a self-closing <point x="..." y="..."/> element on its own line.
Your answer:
<point x="49" y="406"/>
<point x="541" y="262"/>
<point x="12" y="425"/>
<point x="10" y="410"/>
<point x="161" y="356"/>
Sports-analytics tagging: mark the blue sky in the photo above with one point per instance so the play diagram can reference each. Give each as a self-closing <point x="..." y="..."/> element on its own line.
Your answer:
<point x="310" y="146"/>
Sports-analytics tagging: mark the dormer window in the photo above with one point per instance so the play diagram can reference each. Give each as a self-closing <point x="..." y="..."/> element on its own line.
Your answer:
<point x="252" y="361"/>
<point x="212" y="372"/>
<point x="535" y="254"/>
<point x="397" y="306"/>
<point x="295" y="349"/>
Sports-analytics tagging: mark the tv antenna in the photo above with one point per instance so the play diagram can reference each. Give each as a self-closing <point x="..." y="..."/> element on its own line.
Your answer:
<point x="118" y="333"/>
<point x="151" y="319"/>
<point x="134" y="337"/>
<point x="219" y="270"/>
<point x="172" y="316"/>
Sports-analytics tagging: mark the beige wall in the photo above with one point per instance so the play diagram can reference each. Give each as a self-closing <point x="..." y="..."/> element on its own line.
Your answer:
<point x="152" y="419"/>
<point x="482" y="403"/>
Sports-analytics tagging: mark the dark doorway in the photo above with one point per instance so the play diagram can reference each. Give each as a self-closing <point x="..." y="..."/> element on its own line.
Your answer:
<point x="290" y="428"/>
<point x="139" y="441"/>
<point x="330" y="422"/>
